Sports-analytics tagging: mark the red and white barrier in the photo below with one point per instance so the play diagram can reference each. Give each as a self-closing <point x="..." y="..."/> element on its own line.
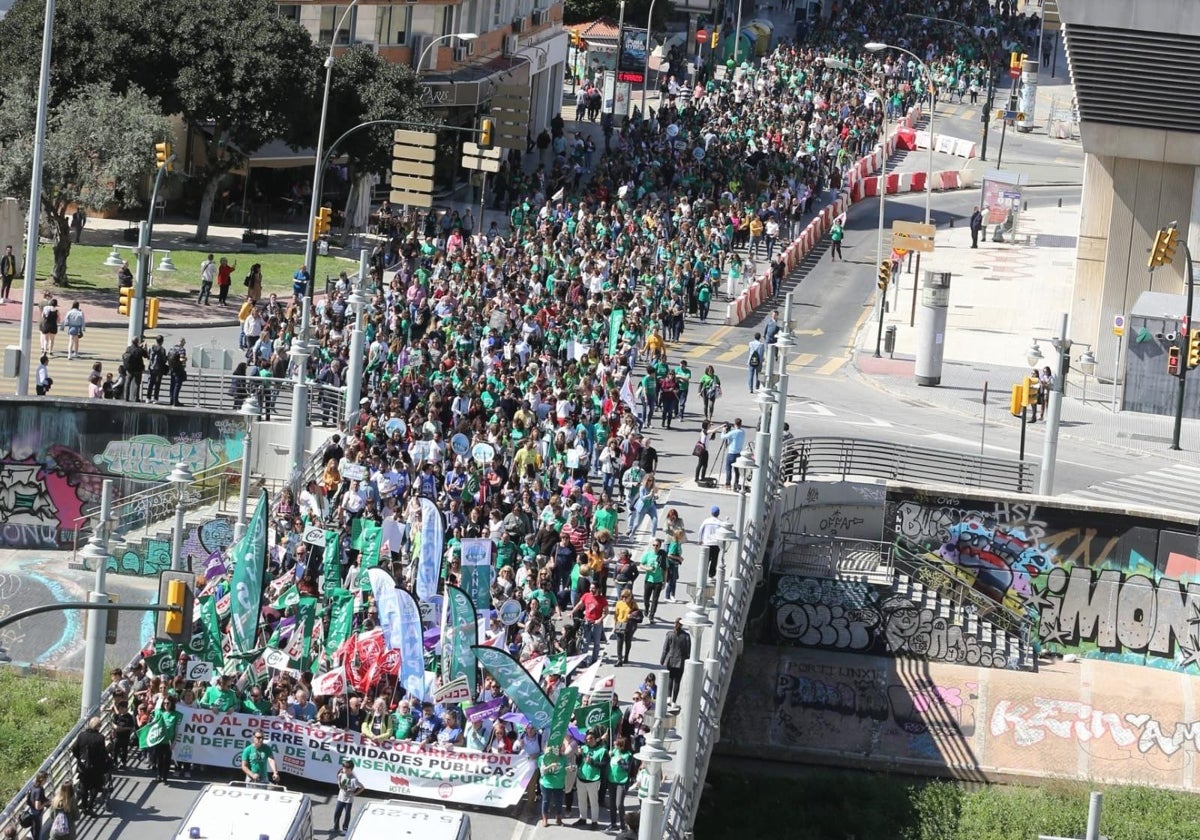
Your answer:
<point x="860" y="182"/>
<point x="947" y="145"/>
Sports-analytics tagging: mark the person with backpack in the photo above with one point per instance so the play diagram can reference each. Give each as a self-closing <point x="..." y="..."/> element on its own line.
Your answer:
<point x="755" y="360"/>
<point x="74" y="322"/>
<point x="134" y="362"/>
<point x="36" y="805"/>
<point x="48" y="326"/>
<point x="157" y="367"/>
<point x="64" y="813"/>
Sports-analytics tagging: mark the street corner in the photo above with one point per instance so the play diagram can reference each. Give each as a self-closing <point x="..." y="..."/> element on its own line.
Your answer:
<point x="884" y="367"/>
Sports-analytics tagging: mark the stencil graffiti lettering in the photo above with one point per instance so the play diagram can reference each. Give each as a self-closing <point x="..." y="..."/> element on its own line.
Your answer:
<point x="152" y="457"/>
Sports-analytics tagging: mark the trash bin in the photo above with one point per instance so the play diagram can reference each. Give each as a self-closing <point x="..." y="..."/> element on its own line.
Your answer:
<point x="889" y="340"/>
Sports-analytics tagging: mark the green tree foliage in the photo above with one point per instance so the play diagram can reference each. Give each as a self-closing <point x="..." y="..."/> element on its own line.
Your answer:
<point x="95" y="153"/>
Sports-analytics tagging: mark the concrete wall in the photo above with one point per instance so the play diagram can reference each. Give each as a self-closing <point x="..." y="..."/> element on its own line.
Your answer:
<point x="1149" y="388"/>
<point x="1099" y="721"/>
<point x="1099" y="584"/>
<point x="54" y="455"/>
<point x="845" y="509"/>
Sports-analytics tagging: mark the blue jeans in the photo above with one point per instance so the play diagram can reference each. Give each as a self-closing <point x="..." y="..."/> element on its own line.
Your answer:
<point x="592" y="633"/>
<point x="753" y="376"/>
<point x="730" y="457"/>
<point x="552" y="800"/>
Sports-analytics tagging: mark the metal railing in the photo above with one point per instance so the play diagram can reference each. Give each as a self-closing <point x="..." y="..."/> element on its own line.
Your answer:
<point x="220" y="390"/>
<point x="144" y="509"/>
<point x="949" y="582"/>
<point x="819" y="555"/>
<point x="812" y="457"/>
<point x="60" y="764"/>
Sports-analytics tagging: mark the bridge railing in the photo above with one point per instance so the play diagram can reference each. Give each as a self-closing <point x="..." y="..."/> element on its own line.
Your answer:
<point x="845" y="458"/>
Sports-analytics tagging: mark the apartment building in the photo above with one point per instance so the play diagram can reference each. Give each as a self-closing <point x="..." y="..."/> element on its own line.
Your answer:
<point x="518" y="41"/>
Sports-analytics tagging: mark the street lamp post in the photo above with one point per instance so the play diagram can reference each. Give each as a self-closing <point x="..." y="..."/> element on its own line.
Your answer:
<point x="181" y="477"/>
<point x="838" y="64"/>
<point x="354" y="373"/>
<point x="35" y="205"/>
<point x="876" y="46"/>
<point x="250" y="411"/>
<point x="646" y="69"/>
<point x="695" y="620"/>
<point x="96" y="554"/>
<point x="1053" y="417"/>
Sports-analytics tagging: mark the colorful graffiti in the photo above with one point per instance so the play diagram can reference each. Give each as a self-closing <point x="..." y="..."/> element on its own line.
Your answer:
<point x="1096" y="584"/>
<point x="54" y="459"/>
<point x="153" y="555"/>
<point x="860" y="618"/>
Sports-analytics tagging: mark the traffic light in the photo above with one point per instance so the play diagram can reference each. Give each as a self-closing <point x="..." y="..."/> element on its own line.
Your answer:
<point x="575" y="39"/>
<point x="1014" y="61"/>
<point x="1029" y="387"/>
<point x="162" y="156"/>
<point x="125" y="300"/>
<point x="1017" y="401"/>
<point x="885" y="275"/>
<point x="486" y="126"/>
<point x="1194" y="349"/>
<point x="716" y="38"/>
<point x="321" y="223"/>
<point x="1173" y="361"/>
<point x="1163" y="252"/>
<point x="152" y="313"/>
<point x="177" y="591"/>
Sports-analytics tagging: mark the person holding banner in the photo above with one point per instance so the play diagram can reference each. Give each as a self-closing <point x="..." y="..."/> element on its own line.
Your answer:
<point x="553" y="783"/>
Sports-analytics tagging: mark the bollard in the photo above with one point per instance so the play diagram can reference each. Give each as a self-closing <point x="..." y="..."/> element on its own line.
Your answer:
<point x="1060" y="202"/>
<point x="889" y="340"/>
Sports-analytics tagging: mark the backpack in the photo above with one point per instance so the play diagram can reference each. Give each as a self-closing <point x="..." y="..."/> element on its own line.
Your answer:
<point x="756" y="358"/>
<point x="61" y="827"/>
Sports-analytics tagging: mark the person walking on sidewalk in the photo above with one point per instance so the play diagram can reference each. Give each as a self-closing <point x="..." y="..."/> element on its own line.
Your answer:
<point x="8" y="273"/>
<point x="677" y="647"/>
<point x="224" y="280"/>
<point x="836" y="235"/>
<point x="707" y="537"/>
<point x="754" y="360"/>
<point x="976" y="226"/>
<point x="652" y="564"/>
<point x="208" y="273"/>
<point x="349" y="786"/>
<point x="74" y="322"/>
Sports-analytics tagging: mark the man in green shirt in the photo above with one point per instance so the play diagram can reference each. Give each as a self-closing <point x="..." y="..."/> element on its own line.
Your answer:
<point x="554" y="782"/>
<point x="593" y="760"/>
<point x="220" y="697"/>
<point x="605" y="517"/>
<point x="257" y="758"/>
<point x="683" y="376"/>
<point x="255" y="703"/>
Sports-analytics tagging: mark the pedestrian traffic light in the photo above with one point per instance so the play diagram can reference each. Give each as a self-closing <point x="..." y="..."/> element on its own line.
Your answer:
<point x="176" y="590"/>
<point x="885" y="275"/>
<point x="162" y="156"/>
<point x="321" y="223"/>
<point x="486" y="126"/>
<point x="1173" y="361"/>
<point x="1163" y="252"/>
<point x="125" y="300"/>
<point x="152" y="313"/>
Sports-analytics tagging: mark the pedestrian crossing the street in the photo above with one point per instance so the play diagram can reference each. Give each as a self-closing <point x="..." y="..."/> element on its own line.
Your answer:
<point x="1174" y="488"/>
<point x="99" y="344"/>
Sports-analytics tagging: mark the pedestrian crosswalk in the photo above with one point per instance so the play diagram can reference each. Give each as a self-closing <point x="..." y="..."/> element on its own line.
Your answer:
<point x="719" y="353"/>
<point x="98" y="344"/>
<point x="1175" y="488"/>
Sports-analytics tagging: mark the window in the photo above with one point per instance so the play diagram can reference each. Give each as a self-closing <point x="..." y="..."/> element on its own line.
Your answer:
<point x="447" y="20"/>
<point x="497" y="14"/>
<point x="467" y="17"/>
<point x="330" y="17"/>
<point x="392" y="24"/>
<point x="289" y="11"/>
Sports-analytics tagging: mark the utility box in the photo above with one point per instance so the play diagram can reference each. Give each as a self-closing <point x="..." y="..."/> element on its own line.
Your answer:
<point x="931" y="327"/>
<point x="12" y="361"/>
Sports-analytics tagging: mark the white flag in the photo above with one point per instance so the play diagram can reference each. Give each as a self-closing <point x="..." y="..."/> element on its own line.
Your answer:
<point x="330" y="683"/>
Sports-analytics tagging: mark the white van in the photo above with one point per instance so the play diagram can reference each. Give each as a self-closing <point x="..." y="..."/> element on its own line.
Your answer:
<point x="395" y="819"/>
<point x="237" y="811"/>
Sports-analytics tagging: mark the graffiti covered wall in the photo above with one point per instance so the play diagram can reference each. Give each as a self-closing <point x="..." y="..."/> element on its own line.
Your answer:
<point x="1095" y="583"/>
<point x="1087" y="720"/>
<point x="54" y="455"/>
<point x="148" y="557"/>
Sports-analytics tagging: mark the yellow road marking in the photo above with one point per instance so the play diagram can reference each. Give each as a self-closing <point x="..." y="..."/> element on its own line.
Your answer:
<point x="832" y="366"/>
<point x="720" y="333"/>
<point x="696" y="353"/>
<point x="802" y="361"/>
<point x="730" y="355"/>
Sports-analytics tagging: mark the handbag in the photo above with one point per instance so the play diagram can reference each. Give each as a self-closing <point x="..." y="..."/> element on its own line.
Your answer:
<point x="698" y="449"/>
<point x="620" y="627"/>
<point x="27" y="818"/>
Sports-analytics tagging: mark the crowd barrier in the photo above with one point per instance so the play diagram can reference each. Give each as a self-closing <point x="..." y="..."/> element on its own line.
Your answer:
<point x="860" y="182"/>
<point x="947" y="145"/>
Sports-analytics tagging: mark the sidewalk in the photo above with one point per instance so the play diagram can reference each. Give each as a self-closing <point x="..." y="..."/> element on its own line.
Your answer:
<point x="1001" y="297"/>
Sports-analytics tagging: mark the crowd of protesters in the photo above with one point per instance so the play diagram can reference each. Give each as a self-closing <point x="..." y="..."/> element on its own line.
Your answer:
<point x="546" y="344"/>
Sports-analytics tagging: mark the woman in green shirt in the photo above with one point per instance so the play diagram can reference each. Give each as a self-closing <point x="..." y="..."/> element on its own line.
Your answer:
<point x="710" y="390"/>
<point x="620" y="773"/>
<point x="553" y="782"/>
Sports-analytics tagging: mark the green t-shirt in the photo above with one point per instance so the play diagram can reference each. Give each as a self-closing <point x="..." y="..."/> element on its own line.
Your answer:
<point x="223" y="700"/>
<point x="593" y="762"/>
<point x="402" y="726"/>
<point x="545" y="601"/>
<point x="255" y="758"/>
<point x="262" y="707"/>
<point x="684" y="377"/>
<point x="554" y="771"/>
<point x="619" y="765"/>
<point x="606" y="519"/>
<point x="651" y="566"/>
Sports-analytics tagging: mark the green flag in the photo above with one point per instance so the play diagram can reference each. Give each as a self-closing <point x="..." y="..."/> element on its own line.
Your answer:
<point x="615" y="322"/>
<point x="341" y="619"/>
<point x="160" y="728"/>
<point x="212" y="632"/>
<point x="365" y="536"/>
<point x="290" y="597"/>
<point x="333" y="560"/>
<point x="555" y="664"/>
<point x="165" y="659"/>
<point x="568" y="699"/>
<point x="247" y="556"/>
<point x="516" y="683"/>
<point x="459" y="635"/>
<point x="588" y="717"/>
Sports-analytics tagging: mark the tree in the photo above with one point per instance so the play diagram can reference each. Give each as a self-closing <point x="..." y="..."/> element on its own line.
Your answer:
<point x="99" y="149"/>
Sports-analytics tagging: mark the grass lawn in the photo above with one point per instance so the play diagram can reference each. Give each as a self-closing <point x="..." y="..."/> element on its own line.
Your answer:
<point x="86" y="270"/>
<point x="819" y="804"/>
<point x="35" y="714"/>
